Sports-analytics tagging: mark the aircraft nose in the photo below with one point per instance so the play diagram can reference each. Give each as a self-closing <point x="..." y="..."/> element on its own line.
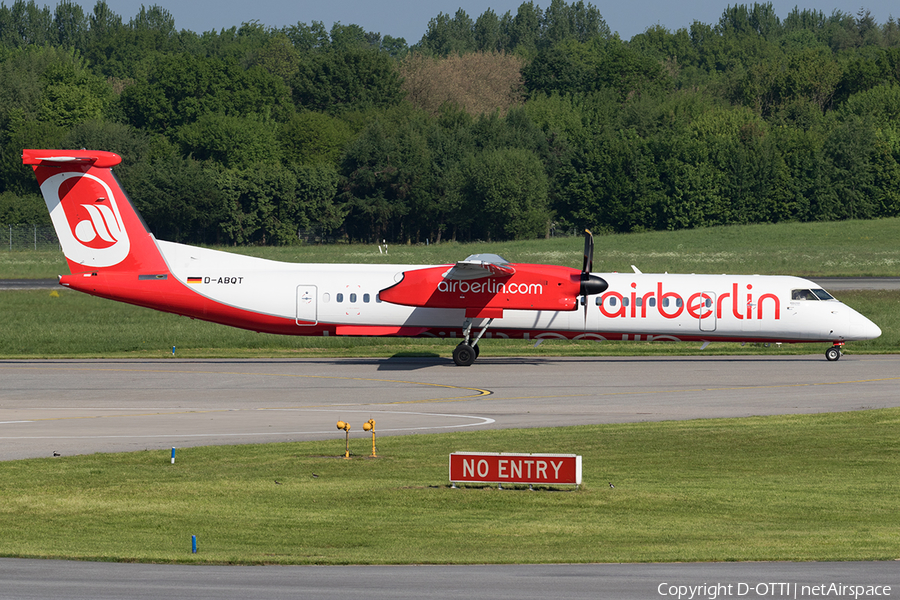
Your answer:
<point x="862" y="328"/>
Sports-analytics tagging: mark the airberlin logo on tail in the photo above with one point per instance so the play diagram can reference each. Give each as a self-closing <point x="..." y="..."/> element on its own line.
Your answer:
<point x="100" y="230"/>
<point x="86" y="216"/>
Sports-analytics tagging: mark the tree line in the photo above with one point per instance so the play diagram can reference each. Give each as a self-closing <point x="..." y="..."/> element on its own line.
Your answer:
<point x="502" y="127"/>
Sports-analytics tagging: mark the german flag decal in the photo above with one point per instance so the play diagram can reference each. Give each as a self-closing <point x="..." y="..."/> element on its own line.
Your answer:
<point x="195" y="280"/>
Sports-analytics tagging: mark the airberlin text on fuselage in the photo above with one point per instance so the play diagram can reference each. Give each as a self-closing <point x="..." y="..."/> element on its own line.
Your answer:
<point x="490" y="286"/>
<point x="700" y="305"/>
<point x="738" y="303"/>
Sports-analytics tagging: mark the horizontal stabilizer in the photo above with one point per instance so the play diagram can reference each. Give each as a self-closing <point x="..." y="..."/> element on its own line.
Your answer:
<point x="96" y="158"/>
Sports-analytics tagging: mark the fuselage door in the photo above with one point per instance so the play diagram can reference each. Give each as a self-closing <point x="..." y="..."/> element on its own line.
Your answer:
<point x="307" y="314"/>
<point x="708" y="311"/>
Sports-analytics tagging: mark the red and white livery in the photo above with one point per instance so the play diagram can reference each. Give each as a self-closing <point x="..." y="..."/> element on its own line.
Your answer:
<point x="112" y="254"/>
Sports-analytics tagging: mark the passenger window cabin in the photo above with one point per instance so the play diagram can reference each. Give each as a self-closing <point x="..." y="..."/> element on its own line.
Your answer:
<point x="352" y="298"/>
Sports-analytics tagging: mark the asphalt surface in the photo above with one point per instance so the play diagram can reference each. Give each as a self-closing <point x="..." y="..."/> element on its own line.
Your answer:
<point x="26" y="579"/>
<point x="82" y="406"/>
<point x="28" y="284"/>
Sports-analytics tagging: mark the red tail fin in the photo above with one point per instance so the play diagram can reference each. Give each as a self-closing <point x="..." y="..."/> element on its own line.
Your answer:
<point x="97" y="225"/>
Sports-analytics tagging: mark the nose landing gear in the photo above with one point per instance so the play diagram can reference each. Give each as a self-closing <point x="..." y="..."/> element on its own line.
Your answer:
<point x="835" y="352"/>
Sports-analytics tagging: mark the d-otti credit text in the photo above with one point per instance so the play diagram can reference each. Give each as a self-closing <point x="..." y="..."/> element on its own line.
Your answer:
<point x="712" y="591"/>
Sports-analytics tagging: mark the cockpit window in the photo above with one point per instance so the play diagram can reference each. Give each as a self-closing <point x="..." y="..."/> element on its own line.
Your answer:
<point x="803" y="295"/>
<point x="816" y="294"/>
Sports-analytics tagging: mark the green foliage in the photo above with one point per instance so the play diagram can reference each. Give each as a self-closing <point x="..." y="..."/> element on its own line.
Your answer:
<point x="26" y="74"/>
<point x="179" y="199"/>
<point x="582" y="67"/>
<point x="314" y="137"/>
<point x="24" y="24"/>
<point x="270" y="204"/>
<point x="384" y="177"/>
<point x="308" y="37"/>
<point x="348" y="78"/>
<point x="451" y="35"/>
<point x="183" y="88"/>
<point x="315" y="205"/>
<point x="507" y="192"/>
<point x="29" y="209"/>
<point x="880" y="104"/>
<point x="809" y="74"/>
<point x="232" y="141"/>
<point x="278" y="57"/>
<point x="71" y="96"/>
<point x="131" y="144"/>
<point x="14" y="176"/>
<point x="750" y="119"/>
<point x="530" y="29"/>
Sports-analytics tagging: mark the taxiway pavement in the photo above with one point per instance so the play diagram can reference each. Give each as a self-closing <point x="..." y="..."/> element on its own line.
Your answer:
<point x="83" y="406"/>
<point x="720" y="581"/>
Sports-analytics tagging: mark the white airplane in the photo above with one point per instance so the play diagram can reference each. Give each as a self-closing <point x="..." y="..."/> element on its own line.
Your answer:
<point x="112" y="254"/>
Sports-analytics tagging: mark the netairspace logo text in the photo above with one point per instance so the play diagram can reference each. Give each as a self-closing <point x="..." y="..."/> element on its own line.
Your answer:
<point x="712" y="591"/>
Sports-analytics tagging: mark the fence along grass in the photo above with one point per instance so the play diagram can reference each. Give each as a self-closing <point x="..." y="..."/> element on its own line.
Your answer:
<point x="28" y="237"/>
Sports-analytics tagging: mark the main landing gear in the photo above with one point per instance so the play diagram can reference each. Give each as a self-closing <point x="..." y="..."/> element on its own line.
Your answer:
<point x="835" y="352"/>
<point x="466" y="353"/>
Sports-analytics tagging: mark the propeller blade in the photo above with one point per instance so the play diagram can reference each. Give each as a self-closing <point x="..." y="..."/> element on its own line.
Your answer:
<point x="586" y="267"/>
<point x="584" y="299"/>
<point x="588" y="264"/>
<point x="590" y="284"/>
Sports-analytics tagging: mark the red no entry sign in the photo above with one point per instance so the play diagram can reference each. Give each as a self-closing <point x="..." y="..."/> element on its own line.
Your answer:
<point x="502" y="467"/>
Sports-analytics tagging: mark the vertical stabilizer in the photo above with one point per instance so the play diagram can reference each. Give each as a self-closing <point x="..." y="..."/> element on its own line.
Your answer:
<point x="98" y="227"/>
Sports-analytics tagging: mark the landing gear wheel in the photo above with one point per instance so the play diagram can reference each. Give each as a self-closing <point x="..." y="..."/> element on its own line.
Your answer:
<point x="477" y="349"/>
<point x="464" y="355"/>
<point x="833" y="353"/>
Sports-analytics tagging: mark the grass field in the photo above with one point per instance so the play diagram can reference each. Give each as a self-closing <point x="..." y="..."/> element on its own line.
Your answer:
<point x="795" y="488"/>
<point x="847" y="248"/>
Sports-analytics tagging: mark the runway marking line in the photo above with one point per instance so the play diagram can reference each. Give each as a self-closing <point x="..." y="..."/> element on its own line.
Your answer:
<point x="479" y="393"/>
<point x="478" y="421"/>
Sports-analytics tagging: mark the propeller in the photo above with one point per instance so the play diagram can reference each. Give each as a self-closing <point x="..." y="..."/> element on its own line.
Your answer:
<point x="590" y="284"/>
<point x="588" y="265"/>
